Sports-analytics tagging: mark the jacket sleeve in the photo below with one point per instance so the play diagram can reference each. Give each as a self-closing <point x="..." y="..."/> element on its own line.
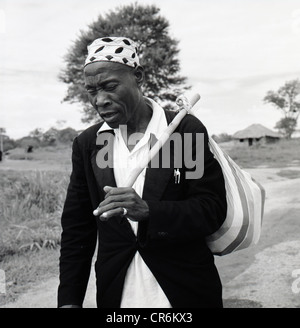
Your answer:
<point x="79" y="235"/>
<point x="202" y="209"/>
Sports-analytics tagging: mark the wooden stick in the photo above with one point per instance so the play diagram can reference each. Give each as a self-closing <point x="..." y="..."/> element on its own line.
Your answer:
<point x="185" y="105"/>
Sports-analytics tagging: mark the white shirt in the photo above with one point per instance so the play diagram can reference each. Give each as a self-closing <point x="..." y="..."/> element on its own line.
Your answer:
<point x="141" y="289"/>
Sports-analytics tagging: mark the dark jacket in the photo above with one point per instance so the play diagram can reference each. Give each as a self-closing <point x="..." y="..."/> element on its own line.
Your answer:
<point x="171" y="242"/>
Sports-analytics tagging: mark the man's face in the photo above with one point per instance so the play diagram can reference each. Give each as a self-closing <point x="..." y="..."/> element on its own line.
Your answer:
<point x="113" y="91"/>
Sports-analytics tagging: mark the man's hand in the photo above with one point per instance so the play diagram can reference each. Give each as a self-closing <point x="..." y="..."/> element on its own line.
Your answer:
<point x="116" y="199"/>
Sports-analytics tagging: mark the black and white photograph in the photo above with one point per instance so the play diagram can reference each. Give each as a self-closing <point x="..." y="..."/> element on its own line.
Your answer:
<point x="149" y="156"/>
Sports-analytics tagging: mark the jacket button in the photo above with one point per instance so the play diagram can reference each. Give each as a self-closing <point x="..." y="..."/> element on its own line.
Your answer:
<point x="162" y="233"/>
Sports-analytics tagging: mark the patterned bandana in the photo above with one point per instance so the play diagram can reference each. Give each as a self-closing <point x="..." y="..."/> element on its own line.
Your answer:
<point x="114" y="49"/>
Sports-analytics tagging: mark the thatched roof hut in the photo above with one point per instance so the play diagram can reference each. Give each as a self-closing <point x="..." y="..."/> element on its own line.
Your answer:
<point x="256" y="133"/>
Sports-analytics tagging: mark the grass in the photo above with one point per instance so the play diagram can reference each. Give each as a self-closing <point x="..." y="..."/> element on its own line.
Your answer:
<point x="25" y="269"/>
<point x="282" y="154"/>
<point x="30" y="208"/>
<point x="51" y="157"/>
<point x="289" y="174"/>
<point x="31" y="204"/>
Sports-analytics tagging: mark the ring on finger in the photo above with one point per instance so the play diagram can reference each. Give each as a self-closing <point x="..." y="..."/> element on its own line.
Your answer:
<point x="124" y="211"/>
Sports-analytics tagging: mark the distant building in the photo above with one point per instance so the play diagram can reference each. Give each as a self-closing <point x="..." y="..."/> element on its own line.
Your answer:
<point x="256" y="134"/>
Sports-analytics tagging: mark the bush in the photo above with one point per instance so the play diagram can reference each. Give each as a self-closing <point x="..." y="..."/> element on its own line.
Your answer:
<point x="30" y="208"/>
<point x="25" y="142"/>
<point x="280" y="154"/>
<point x="67" y="135"/>
<point x="223" y="137"/>
<point x="8" y="144"/>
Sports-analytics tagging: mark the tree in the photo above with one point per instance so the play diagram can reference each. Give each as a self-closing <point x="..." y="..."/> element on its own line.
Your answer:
<point x="37" y="133"/>
<point x="157" y="50"/>
<point x="2" y="132"/>
<point x="8" y="143"/>
<point x="50" y="137"/>
<point x="67" y="135"/>
<point x="287" y="100"/>
<point x="27" y="141"/>
<point x="287" y="126"/>
<point x="222" y="137"/>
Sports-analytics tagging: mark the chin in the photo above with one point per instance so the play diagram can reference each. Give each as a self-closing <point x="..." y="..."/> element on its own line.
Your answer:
<point x="113" y="125"/>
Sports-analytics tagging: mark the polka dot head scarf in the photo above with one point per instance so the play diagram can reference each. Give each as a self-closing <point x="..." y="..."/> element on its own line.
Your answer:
<point x="113" y="49"/>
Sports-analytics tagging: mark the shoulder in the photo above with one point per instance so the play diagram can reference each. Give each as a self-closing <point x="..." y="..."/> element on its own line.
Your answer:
<point x="87" y="138"/>
<point x="189" y="123"/>
<point x="90" y="131"/>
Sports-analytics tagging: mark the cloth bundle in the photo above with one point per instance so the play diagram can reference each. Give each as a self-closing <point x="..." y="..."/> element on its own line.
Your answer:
<point x="245" y="206"/>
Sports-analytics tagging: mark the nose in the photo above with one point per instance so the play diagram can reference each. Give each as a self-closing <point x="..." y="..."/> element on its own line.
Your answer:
<point x="102" y="100"/>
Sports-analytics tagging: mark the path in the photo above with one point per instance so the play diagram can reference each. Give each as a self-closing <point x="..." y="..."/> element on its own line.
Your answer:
<point x="258" y="277"/>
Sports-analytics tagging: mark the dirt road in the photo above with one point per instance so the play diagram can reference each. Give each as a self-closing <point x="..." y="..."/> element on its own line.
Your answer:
<point x="261" y="276"/>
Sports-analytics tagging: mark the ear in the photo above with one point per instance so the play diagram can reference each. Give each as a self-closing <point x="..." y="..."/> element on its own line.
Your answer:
<point x="139" y="75"/>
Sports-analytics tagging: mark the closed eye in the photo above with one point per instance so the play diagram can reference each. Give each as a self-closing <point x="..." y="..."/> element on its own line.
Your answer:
<point x="110" y="86"/>
<point x="106" y="87"/>
<point x="91" y="91"/>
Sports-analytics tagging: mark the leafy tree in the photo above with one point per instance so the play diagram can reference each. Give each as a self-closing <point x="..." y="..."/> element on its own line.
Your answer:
<point x="2" y="132"/>
<point x="157" y="50"/>
<point x="27" y="141"/>
<point x="222" y="137"/>
<point x="8" y="143"/>
<point x="50" y="137"/>
<point x="287" y="126"/>
<point x="37" y="133"/>
<point x="67" y="135"/>
<point x="5" y="142"/>
<point x="287" y="100"/>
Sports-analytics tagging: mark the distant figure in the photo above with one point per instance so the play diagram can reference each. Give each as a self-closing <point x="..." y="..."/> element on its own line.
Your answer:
<point x="0" y="155"/>
<point x="29" y="149"/>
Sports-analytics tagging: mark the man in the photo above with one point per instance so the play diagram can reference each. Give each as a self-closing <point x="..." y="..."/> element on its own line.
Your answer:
<point x="151" y="237"/>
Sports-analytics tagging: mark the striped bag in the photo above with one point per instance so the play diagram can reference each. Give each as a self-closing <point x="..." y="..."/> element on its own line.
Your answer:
<point x="245" y="206"/>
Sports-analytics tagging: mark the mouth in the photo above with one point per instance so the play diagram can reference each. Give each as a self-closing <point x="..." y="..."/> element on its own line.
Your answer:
<point x="110" y="116"/>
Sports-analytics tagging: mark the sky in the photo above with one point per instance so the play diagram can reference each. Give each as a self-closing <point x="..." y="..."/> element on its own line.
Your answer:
<point x="231" y="51"/>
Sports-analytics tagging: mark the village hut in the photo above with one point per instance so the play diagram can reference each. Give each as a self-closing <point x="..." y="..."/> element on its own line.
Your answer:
<point x="256" y="134"/>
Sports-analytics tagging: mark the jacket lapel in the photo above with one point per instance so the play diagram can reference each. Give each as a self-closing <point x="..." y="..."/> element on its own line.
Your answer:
<point x="156" y="181"/>
<point x="157" y="178"/>
<point x="102" y="154"/>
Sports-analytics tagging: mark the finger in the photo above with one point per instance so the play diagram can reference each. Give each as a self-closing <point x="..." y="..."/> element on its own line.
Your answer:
<point x="107" y="190"/>
<point x="116" y="191"/>
<point x="115" y="212"/>
<point x="115" y="199"/>
<point x="96" y="212"/>
<point x="111" y="206"/>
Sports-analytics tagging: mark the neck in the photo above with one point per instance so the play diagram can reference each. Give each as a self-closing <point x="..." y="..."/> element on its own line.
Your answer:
<point x="140" y="118"/>
<point x="138" y="124"/>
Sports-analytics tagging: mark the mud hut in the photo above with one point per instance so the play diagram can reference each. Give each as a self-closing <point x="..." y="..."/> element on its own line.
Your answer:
<point x="256" y="134"/>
